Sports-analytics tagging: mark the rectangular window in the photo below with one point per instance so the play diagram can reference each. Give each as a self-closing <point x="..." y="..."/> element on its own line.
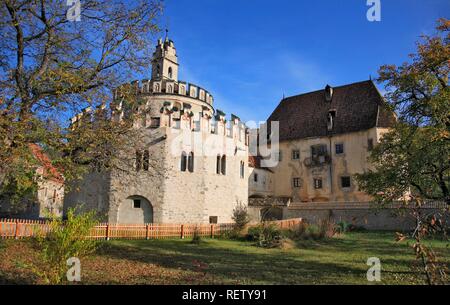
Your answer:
<point x="242" y="169"/>
<point x="146" y="160"/>
<point x="255" y="177"/>
<point x="155" y="122"/>
<point x="138" y="160"/>
<point x="296" y="182"/>
<point x="369" y="144"/>
<point x="136" y="203"/>
<point x="317" y="183"/>
<point x="213" y="219"/>
<point x="345" y="182"/>
<point x="295" y="154"/>
<point x="339" y="149"/>
<point x="318" y="150"/>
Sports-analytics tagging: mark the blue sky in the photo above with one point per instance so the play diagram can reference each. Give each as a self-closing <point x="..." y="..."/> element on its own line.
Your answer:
<point x="248" y="53"/>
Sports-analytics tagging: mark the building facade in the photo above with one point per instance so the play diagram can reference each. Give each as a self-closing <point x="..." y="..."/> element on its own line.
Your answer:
<point x="325" y="138"/>
<point x="48" y="198"/>
<point x="190" y="165"/>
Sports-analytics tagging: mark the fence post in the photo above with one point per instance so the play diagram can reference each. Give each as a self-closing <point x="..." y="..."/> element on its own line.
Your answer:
<point x="107" y="231"/>
<point x="147" y="231"/>
<point x="182" y="231"/>
<point x="212" y="230"/>
<point x="16" y="231"/>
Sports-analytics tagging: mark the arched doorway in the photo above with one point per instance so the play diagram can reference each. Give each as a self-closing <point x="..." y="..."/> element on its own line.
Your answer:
<point x="135" y="210"/>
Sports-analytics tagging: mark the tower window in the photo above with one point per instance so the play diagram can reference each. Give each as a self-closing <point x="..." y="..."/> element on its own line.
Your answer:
<point x="170" y="72"/>
<point x="218" y="165"/>
<point x="158" y="71"/>
<point x="183" y="162"/>
<point x="223" y="165"/>
<point x="146" y="162"/>
<point x="191" y="162"/>
<point x="138" y="160"/>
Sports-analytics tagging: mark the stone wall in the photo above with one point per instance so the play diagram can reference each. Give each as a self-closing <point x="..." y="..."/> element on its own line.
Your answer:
<point x="361" y="214"/>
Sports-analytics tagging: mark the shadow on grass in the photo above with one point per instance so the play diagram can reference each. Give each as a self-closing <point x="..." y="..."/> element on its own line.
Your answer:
<point x="329" y="262"/>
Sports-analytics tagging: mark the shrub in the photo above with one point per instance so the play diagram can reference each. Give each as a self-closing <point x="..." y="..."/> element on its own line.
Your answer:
<point x="327" y="228"/>
<point x="266" y="235"/>
<point x="64" y="240"/>
<point x="343" y="227"/>
<point x="312" y="232"/>
<point x="196" y="238"/>
<point x="240" y="217"/>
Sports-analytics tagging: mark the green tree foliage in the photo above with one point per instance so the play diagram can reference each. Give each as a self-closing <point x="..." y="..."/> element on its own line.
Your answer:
<point x="414" y="155"/>
<point x="64" y="240"/>
<point x="240" y="217"/>
<point x="52" y="68"/>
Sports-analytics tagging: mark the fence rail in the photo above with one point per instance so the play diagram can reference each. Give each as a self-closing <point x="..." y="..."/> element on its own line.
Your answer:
<point x="22" y="228"/>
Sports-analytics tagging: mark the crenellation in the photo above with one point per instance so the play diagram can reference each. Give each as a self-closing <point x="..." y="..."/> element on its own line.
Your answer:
<point x="193" y="91"/>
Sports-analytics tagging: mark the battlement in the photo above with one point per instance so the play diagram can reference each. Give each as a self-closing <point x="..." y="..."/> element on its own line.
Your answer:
<point x="207" y="124"/>
<point x="169" y="87"/>
<point x="175" y="119"/>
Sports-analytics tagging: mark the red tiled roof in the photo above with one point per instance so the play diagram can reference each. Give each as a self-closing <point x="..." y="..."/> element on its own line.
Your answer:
<point x="50" y="171"/>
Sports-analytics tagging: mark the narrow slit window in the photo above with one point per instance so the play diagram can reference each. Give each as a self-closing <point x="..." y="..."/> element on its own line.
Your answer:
<point x="138" y="160"/>
<point x="191" y="162"/>
<point x="146" y="160"/>
<point x="183" y="162"/>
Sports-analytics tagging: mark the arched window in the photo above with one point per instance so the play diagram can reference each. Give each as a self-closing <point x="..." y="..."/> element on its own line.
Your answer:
<point x="223" y="165"/>
<point x="170" y="72"/>
<point x="218" y="165"/>
<point x="158" y="71"/>
<point x="191" y="162"/>
<point x="183" y="161"/>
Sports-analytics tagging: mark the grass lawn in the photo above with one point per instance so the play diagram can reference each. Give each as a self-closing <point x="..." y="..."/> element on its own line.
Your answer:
<point x="340" y="260"/>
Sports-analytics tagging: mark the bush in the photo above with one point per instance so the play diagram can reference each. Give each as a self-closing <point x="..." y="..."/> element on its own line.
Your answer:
<point x="266" y="235"/>
<point x="240" y="217"/>
<point x="232" y="234"/>
<point x="64" y="240"/>
<point x="325" y="229"/>
<point x="196" y="238"/>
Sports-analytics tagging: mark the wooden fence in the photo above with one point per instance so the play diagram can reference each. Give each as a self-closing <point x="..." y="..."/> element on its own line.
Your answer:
<point x="22" y="228"/>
